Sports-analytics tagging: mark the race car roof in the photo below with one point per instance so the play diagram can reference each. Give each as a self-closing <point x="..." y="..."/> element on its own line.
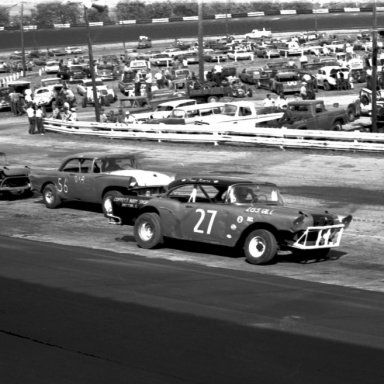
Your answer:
<point x="219" y="181"/>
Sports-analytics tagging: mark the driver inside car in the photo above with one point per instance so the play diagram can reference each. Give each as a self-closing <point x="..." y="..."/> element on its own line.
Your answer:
<point x="242" y="195"/>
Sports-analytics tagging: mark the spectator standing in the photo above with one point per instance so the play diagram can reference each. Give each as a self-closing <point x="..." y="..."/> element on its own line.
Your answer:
<point x="303" y="60"/>
<point x="31" y="118"/>
<point x="55" y="111"/>
<point x="138" y="83"/>
<point x="303" y="90"/>
<point x="73" y="115"/>
<point x="281" y="101"/>
<point x="120" y="116"/>
<point x="39" y="120"/>
<point x="12" y="98"/>
<point x="103" y="117"/>
<point x="268" y="102"/>
<point x="148" y="84"/>
<point x="129" y="118"/>
<point x="159" y="79"/>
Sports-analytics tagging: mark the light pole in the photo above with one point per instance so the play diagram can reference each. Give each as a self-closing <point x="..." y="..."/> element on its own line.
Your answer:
<point x="91" y="65"/>
<point x="200" y="40"/>
<point x="22" y="39"/>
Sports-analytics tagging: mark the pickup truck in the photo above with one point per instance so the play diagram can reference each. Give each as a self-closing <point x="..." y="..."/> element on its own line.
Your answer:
<point x="93" y="177"/>
<point x="203" y="93"/>
<point x="313" y="115"/>
<point x="236" y="112"/>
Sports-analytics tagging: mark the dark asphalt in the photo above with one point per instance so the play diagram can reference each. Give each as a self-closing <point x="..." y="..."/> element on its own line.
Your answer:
<point x="77" y="315"/>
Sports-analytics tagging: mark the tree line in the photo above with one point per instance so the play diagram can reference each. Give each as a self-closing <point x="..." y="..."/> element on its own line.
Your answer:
<point x="45" y="15"/>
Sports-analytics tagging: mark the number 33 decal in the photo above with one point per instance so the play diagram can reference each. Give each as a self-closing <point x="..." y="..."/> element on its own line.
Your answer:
<point x="210" y="217"/>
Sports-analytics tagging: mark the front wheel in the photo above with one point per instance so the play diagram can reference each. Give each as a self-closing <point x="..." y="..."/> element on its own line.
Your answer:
<point x="51" y="197"/>
<point x="327" y="86"/>
<point x="147" y="231"/>
<point x="107" y="200"/>
<point x="260" y="247"/>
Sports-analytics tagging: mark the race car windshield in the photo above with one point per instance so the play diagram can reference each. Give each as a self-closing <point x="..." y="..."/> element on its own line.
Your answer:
<point x="117" y="164"/>
<point x="255" y="193"/>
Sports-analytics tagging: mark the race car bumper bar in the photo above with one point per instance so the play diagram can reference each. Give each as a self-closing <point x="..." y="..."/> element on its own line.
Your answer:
<point x="328" y="236"/>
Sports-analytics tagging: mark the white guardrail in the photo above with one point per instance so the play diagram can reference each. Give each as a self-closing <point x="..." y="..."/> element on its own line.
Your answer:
<point x="279" y="137"/>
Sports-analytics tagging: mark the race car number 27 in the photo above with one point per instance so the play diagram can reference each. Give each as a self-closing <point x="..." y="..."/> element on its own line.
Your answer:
<point x="205" y="216"/>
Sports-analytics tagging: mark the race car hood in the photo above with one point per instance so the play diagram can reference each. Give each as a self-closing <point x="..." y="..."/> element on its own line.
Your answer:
<point x="292" y="218"/>
<point x="15" y="171"/>
<point x="145" y="178"/>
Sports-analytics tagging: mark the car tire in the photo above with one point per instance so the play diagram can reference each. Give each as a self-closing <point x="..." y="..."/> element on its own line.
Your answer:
<point x="260" y="247"/>
<point x="213" y="99"/>
<point x="337" y="126"/>
<point x="327" y="86"/>
<point x="147" y="231"/>
<point x="51" y="197"/>
<point x="107" y="196"/>
<point x="351" y="114"/>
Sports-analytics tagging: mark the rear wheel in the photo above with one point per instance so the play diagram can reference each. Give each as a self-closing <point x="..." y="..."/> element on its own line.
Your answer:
<point x="260" y="247"/>
<point x="351" y="113"/>
<point x="51" y="197"/>
<point x="213" y="99"/>
<point x="147" y="231"/>
<point x="336" y="126"/>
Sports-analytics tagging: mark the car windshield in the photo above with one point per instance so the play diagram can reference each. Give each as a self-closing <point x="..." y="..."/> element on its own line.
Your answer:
<point x="111" y="164"/>
<point x="254" y="193"/>
<point x="229" y="110"/>
<point x="161" y="108"/>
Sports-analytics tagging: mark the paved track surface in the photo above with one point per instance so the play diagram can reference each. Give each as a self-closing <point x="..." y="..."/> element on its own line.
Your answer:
<point x="77" y="315"/>
<point x="341" y="182"/>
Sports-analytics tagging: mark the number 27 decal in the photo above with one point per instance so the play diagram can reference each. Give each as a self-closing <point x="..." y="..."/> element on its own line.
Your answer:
<point x="210" y="217"/>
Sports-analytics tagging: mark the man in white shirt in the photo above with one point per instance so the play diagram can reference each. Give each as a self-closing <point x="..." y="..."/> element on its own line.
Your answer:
<point x="268" y="102"/>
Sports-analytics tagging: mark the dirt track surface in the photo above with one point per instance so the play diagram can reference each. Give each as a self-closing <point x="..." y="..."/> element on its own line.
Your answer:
<point x="338" y="181"/>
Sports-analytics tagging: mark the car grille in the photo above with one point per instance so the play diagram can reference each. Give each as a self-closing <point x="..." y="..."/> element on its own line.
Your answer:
<point x="322" y="220"/>
<point x="14" y="182"/>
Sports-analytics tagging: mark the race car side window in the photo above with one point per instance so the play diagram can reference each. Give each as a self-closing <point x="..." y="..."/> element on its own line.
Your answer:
<point x="72" y="165"/>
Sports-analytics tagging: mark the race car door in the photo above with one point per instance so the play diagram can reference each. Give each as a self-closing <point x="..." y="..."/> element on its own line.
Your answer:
<point x="68" y="179"/>
<point x="204" y="220"/>
<point x="76" y="181"/>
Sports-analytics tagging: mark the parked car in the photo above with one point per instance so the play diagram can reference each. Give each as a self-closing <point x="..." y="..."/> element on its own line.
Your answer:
<point x="327" y="76"/>
<point x="73" y="51"/>
<point x="161" y="60"/>
<point x="239" y="55"/>
<point x="250" y="75"/>
<point x="267" y="52"/>
<point x="5" y="100"/>
<point x="211" y="55"/>
<point x="52" y="67"/>
<point x="14" y="180"/>
<point x="58" y="52"/>
<point x="285" y="82"/>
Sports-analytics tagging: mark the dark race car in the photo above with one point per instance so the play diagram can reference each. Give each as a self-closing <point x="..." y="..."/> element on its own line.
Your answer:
<point x="14" y="180"/>
<point x="229" y="212"/>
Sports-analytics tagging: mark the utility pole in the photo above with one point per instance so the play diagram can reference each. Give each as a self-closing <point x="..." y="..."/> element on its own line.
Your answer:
<point x="200" y="40"/>
<point x="91" y="66"/>
<point x="374" y="70"/>
<point x="22" y="39"/>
